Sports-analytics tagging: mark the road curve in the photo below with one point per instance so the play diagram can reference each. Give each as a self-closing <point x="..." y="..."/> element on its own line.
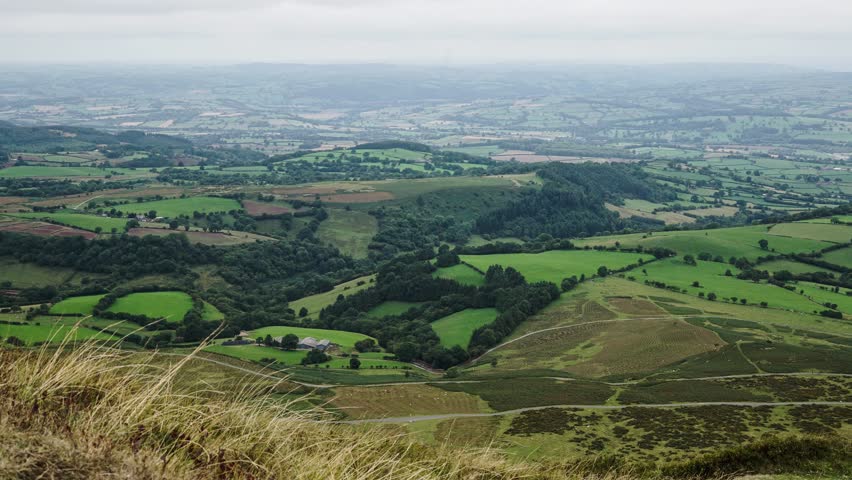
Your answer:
<point x="448" y="416"/>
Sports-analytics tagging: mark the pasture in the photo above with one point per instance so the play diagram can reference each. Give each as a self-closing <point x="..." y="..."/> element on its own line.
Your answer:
<point x="456" y="329"/>
<point x="258" y="353"/>
<point x="25" y="275"/>
<point x="842" y="257"/>
<point x="31" y="333"/>
<point x="315" y="303"/>
<point x="711" y="278"/>
<point x="555" y="265"/>
<point x="82" y="305"/>
<point x="391" y="307"/>
<point x="346" y="340"/>
<point x="349" y="231"/>
<point x="175" y="207"/>
<point x="79" y="220"/>
<point x="462" y="274"/>
<point x="725" y="242"/>
<point x="36" y="171"/>
<point x="169" y="305"/>
<point x="790" y="266"/>
<point x="814" y="231"/>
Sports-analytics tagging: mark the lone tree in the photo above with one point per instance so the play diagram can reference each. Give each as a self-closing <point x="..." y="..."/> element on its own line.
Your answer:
<point x="354" y="363"/>
<point x="603" y="271"/>
<point x="689" y="260"/>
<point x="289" y="342"/>
<point x="764" y="244"/>
<point x="303" y="312"/>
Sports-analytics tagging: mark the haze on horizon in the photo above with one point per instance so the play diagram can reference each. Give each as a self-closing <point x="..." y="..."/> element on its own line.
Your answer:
<point x="449" y="32"/>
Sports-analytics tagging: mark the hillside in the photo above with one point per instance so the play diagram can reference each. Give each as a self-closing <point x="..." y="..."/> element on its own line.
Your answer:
<point x="94" y="412"/>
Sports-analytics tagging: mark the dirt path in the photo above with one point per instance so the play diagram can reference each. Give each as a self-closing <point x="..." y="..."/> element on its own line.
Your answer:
<point x="448" y="416"/>
<point x="75" y="207"/>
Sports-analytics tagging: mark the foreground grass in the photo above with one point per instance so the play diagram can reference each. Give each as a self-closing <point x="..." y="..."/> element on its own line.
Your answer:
<point x="97" y="412"/>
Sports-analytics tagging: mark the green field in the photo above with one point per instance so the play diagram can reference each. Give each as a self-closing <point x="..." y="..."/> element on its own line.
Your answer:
<point x="842" y="257"/>
<point x="257" y="353"/>
<point x="790" y="266"/>
<point x="814" y="231"/>
<point x="44" y="171"/>
<point x="462" y="274"/>
<point x="76" y="305"/>
<point x="315" y="303"/>
<point x="391" y="307"/>
<point x="726" y="242"/>
<point x="182" y="206"/>
<point x="712" y="279"/>
<point x="32" y="275"/>
<point x="555" y="265"/>
<point x="456" y="329"/>
<point x="86" y="222"/>
<point x="211" y="313"/>
<point x="169" y="305"/>
<point x="32" y="333"/>
<point x="350" y="231"/>
<point x="346" y="340"/>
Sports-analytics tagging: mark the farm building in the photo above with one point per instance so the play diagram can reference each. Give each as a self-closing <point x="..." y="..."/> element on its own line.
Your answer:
<point x="310" y="343"/>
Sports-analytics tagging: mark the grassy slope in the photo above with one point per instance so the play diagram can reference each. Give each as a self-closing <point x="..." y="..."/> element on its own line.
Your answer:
<point x="727" y="242"/>
<point x="457" y="328"/>
<point x="553" y="266"/>
<point x="170" y="305"/>
<point x="462" y="274"/>
<point x="391" y="307"/>
<point x="349" y="231"/>
<point x="346" y="340"/>
<point x="82" y="305"/>
<point x="711" y="278"/>
<point x="315" y="303"/>
<point x="86" y="222"/>
<point x="186" y="206"/>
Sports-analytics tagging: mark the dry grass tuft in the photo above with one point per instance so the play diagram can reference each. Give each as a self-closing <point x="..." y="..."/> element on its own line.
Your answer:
<point x="91" y="412"/>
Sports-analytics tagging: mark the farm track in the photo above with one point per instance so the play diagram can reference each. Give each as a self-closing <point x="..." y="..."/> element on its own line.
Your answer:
<point x="449" y="416"/>
<point x="77" y="207"/>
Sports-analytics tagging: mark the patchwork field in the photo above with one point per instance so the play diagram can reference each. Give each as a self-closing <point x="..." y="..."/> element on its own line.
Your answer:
<point x="315" y="303"/>
<point x="85" y="222"/>
<point x="171" y="306"/>
<point x="554" y="266"/>
<point x="348" y="230"/>
<point x="205" y="238"/>
<point x="32" y="333"/>
<point x="712" y="279"/>
<point x="402" y="400"/>
<point x="175" y="207"/>
<point x="608" y="349"/>
<point x="462" y="274"/>
<point x="82" y="305"/>
<point x="44" y="229"/>
<point x="346" y="340"/>
<point x="725" y="242"/>
<point x="456" y="329"/>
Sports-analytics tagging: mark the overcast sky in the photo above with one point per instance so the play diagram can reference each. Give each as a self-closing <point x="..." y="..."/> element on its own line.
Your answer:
<point x="799" y="32"/>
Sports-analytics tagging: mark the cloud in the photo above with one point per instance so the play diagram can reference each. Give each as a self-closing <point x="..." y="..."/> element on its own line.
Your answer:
<point x="427" y="30"/>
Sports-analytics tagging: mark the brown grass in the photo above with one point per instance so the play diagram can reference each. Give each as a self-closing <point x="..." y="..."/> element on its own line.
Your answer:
<point x="94" y="413"/>
<point x="402" y="400"/>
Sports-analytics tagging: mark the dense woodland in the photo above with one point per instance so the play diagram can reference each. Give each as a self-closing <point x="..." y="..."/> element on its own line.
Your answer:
<point x="571" y="202"/>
